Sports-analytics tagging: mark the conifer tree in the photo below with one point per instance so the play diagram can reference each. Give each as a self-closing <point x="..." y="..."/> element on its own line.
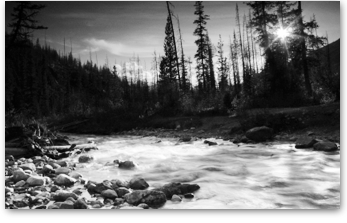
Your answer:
<point x="202" y="52"/>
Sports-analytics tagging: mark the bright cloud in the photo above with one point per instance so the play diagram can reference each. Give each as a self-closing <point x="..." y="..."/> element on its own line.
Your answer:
<point x="100" y="44"/>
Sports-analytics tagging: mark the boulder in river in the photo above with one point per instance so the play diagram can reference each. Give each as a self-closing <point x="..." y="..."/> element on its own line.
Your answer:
<point x="177" y="188"/>
<point x="210" y="143"/>
<point x="85" y="159"/>
<point x="126" y="165"/>
<point x="305" y="142"/>
<point x="64" y="180"/>
<point x="260" y="134"/>
<point x="138" y="184"/>
<point x="152" y="198"/>
<point x="325" y="146"/>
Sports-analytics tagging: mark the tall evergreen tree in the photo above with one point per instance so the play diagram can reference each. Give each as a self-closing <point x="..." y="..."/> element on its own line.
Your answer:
<point x="223" y="66"/>
<point x="202" y="52"/>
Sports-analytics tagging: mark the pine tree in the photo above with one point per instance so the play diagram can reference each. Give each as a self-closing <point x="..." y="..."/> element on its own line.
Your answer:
<point x="185" y="83"/>
<point x="210" y="78"/>
<point x="171" y="32"/>
<point x="202" y="52"/>
<point x="223" y="66"/>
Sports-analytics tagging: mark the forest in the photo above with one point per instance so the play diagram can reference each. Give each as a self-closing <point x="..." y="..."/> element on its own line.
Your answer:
<point x="274" y="58"/>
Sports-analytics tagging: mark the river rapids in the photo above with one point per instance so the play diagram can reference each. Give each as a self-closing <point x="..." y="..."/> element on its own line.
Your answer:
<point x="230" y="176"/>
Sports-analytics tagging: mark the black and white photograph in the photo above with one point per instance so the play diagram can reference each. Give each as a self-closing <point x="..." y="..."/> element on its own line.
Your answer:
<point x="172" y="105"/>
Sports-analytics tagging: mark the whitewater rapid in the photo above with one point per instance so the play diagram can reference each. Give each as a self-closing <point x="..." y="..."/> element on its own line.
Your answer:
<point x="230" y="176"/>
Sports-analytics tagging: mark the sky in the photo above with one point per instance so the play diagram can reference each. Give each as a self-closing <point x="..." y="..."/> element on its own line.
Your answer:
<point x="115" y="31"/>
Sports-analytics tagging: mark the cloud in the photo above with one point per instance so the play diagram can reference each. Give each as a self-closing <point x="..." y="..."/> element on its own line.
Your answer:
<point x="100" y="44"/>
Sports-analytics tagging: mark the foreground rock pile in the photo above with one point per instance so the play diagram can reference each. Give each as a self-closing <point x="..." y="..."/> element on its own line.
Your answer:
<point x="40" y="182"/>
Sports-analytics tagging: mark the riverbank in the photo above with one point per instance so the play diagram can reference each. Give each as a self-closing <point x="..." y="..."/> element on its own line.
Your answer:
<point x="322" y="121"/>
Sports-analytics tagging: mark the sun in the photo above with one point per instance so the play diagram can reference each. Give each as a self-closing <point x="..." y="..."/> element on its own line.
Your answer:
<point x="283" y="33"/>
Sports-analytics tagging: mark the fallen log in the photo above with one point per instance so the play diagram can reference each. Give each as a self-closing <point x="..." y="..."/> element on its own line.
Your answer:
<point x="86" y="147"/>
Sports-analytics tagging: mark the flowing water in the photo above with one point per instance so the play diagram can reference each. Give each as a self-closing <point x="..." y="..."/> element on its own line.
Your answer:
<point x="230" y="176"/>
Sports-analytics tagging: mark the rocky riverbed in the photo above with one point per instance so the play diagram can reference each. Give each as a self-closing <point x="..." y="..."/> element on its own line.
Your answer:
<point x="40" y="182"/>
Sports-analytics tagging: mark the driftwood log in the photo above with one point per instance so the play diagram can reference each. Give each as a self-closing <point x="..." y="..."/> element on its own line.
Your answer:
<point x="10" y="148"/>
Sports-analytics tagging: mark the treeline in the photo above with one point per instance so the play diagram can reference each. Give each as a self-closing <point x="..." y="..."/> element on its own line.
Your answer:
<point x="274" y="59"/>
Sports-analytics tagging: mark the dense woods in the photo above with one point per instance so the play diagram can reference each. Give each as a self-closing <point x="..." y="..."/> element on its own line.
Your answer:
<point x="273" y="58"/>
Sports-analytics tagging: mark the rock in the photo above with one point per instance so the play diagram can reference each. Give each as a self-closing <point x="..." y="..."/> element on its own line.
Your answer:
<point x="63" y="195"/>
<point x="47" y="169"/>
<point x="305" y="142"/>
<point x="259" y="134"/>
<point x="117" y="183"/>
<point x="54" y="165"/>
<point x="36" y="181"/>
<point x="325" y="146"/>
<point x="28" y="166"/>
<point x="126" y="165"/>
<point x="75" y="175"/>
<point x="81" y="204"/>
<point x="143" y="206"/>
<point x="62" y="170"/>
<point x="186" y="139"/>
<point x="138" y="184"/>
<point x="188" y="188"/>
<point x="54" y="188"/>
<point x="135" y="197"/>
<point x="105" y="185"/>
<point x="189" y="196"/>
<point x="177" y="188"/>
<point x="20" y="183"/>
<point x="130" y="207"/>
<point x="121" y="191"/>
<point x="118" y="201"/>
<point x="54" y="206"/>
<point x="62" y="163"/>
<point x="67" y="205"/>
<point x="85" y="159"/>
<point x="109" y="193"/>
<point x="152" y="198"/>
<point x="210" y="143"/>
<point x="64" y="180"/>
<point x="176" y="198"/>
<point x="19" y="175"/>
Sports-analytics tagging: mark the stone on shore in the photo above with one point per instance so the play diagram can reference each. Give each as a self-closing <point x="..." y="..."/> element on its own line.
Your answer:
<point x="36" y="181"/>
<point x="28" y="166"/>
<point x="64" y="180"/>
<point x="138" y="184"/>
<point x="19" y="175"/>
<point x="62" y="170"/>
<point x="109" y="193"/>
<point x="260" y="134"/>
<point x="81" y="204"/>
<point x="325" y="146"/>
<point x="63" y="195"/>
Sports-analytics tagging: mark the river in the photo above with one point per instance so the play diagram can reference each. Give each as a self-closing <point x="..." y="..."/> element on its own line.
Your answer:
<point x="256" y="176"/>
